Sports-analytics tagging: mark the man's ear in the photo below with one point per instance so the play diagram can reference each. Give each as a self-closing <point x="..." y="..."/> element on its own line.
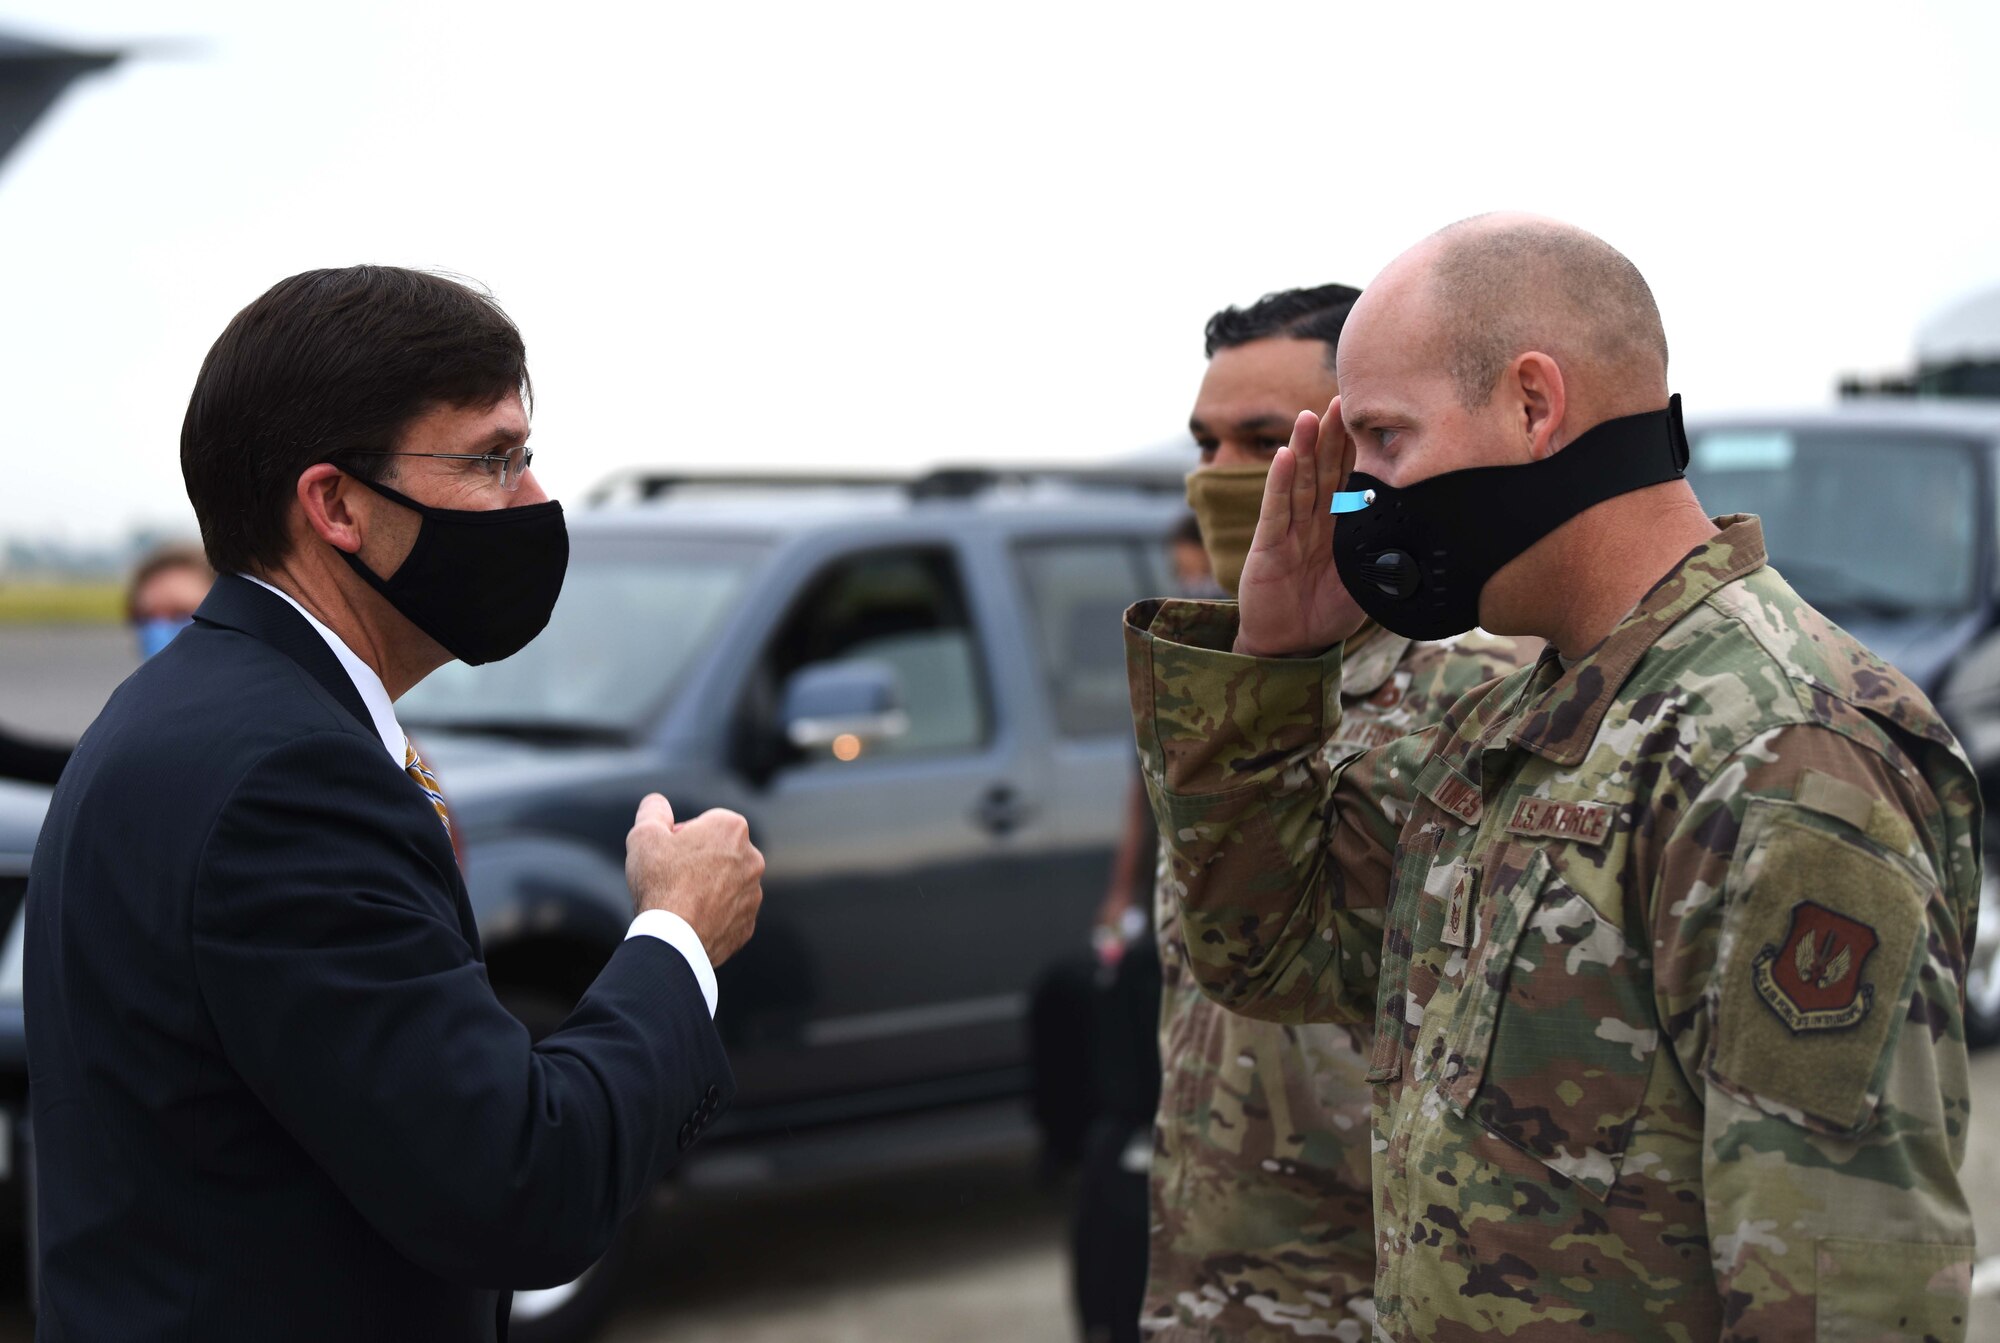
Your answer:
<point x="325" y="496"/>
<point x="1537" y="384"/>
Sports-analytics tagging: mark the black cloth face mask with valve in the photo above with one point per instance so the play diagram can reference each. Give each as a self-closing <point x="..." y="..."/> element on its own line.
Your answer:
<point x="1417" y="558"/>
<point x="482" y="582"/>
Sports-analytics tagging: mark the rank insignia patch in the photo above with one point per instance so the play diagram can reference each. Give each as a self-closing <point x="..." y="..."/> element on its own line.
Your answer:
<point x="1458" y="914"/>
<point x="1813" y="982"/>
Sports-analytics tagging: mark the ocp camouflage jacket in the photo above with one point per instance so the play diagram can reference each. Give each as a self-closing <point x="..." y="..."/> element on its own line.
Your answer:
<point x="1663" y="952"/>
<point x="1263" y="1227"/>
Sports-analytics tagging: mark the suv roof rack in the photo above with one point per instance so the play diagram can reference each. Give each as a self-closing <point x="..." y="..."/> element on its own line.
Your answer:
<point x="942" y="482"/>
<point x="641" y="483"/>
<point x="961" y="481"/>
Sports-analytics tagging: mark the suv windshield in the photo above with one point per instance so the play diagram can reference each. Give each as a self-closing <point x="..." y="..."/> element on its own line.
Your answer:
<point x="1879" y="523"/>
<point x="632" y="617"/>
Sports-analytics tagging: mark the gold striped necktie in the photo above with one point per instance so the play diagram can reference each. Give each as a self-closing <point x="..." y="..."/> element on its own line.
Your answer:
<point x="413" y="765"/>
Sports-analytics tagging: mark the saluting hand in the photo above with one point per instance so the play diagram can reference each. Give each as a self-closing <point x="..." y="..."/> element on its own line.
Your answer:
<point x="705" y="870"/>
<point x="1291" y="599"/>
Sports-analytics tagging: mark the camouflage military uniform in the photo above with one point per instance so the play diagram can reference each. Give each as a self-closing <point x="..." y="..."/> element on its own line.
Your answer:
<point x="1664" y="952"/>
<point x="1262" y="1222"/>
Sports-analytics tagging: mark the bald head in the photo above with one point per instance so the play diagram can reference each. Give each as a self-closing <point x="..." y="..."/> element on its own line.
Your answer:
<point x="1501" y="285"/>
<point x="1502" y="341"/>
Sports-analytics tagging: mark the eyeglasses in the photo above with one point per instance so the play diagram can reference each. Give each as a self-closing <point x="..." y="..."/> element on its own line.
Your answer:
<point x="511" y="464"/>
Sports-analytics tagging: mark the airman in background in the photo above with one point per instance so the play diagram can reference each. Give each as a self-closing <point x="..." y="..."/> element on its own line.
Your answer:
<point x="1262" y="1224"/>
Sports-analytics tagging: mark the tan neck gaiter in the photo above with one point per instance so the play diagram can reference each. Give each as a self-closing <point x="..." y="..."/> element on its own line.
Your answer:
<point x="1226" y="501"/>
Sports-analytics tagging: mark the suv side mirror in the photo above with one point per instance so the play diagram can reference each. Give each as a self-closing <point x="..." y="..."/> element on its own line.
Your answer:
<point x="830" y="700"/>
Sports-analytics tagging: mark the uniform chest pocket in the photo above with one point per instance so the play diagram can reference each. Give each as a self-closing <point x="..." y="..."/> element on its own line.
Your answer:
<point x="1395" y="1028"/>
<point x="1552" y="1034"/>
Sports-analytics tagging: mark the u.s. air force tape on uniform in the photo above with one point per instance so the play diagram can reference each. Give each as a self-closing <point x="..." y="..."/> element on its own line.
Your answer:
<point x="1824" y="930"/>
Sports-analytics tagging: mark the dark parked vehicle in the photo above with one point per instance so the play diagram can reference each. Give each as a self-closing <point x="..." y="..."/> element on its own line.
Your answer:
<point x="21" y="809"/>
<point x="1885" y="514"/>
<point x="915" y="693"/>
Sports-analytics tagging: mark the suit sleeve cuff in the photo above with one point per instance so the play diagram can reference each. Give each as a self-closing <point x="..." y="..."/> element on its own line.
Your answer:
<point x="677" y="933"/>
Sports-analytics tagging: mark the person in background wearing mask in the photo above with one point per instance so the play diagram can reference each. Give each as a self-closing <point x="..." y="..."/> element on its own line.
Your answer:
<point x="160" y="598"/>
<point x="274" y="1094"/>
<point x="1662" y="940"/>
<point x="1261" y="1205"/>
<point x="165" y="589"/>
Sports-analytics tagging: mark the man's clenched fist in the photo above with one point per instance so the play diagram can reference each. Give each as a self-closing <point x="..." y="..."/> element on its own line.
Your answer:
<point x="705" y="870"/>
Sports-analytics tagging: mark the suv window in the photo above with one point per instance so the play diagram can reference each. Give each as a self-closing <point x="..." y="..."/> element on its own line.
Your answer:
<point x="1079" y="591"/>
<point x="1860" y="521"/>
<point x="635" y="614"/>
<point x="904" y="608"/>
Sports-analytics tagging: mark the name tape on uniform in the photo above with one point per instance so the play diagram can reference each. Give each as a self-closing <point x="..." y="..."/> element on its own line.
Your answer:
<point x="1585" y="822"/>
<point x="1365" y="735"/>
<point x="1458" y="796"/>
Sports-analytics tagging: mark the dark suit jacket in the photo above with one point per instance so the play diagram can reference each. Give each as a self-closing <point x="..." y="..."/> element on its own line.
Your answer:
<point x="273" y="1094"/>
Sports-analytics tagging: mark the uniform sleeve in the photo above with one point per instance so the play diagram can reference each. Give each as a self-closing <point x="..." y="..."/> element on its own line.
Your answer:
<point x="1279" y="860"/>
<point x="1812" y="918"/>
<point x="347" y="998"/>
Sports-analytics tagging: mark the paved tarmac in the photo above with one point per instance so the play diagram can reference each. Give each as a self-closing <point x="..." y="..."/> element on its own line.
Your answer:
<point x="54" y="678"/>
<point x="971" y="1253"/>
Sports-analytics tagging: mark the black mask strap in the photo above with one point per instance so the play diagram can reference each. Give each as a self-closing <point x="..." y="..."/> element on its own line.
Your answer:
<point x="1496" y="512"/>
<point x="1613" y="458"/>
<point x="471" y="517"/>
<point x="1417" y="557"/>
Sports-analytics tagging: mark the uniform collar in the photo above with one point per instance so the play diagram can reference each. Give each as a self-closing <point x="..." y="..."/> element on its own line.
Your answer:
<point x="1561" y="710"/>
<point x="1368" y="659"/>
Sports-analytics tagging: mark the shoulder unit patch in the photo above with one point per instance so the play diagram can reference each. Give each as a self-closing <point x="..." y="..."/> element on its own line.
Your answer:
<point x="1827" y="942"/>
<point x="1813" y="981"/>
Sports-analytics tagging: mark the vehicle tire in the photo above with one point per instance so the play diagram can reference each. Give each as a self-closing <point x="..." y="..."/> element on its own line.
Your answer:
<point x="1982" y="965"/>
<point x="576" y="1311"/>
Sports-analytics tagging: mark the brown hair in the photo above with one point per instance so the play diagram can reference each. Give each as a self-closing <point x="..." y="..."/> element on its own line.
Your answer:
<point x="325" y="366"/>
<point x="158" y="560"/>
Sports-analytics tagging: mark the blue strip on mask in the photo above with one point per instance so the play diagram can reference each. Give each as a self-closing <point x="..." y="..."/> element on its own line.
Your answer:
<point x="157" y="634"/>
<point x="1351" y="501"/>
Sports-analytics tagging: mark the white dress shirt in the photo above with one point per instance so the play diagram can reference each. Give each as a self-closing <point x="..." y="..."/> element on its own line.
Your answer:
<point x="669" y="927"/>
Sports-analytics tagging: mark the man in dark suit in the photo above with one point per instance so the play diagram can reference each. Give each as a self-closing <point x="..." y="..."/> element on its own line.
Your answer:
<point x="274" y="1095"/>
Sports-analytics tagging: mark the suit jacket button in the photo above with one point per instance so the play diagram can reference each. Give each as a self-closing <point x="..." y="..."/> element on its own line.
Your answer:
<point x="687" y="1135"/>
<point x="713" y="1098"/>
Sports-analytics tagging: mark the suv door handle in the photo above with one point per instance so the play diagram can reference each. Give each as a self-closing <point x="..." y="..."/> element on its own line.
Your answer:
<point x="1002" y="810"/>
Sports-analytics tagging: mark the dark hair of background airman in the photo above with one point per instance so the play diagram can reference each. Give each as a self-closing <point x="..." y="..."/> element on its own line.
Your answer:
<point x="1317" y="313"/>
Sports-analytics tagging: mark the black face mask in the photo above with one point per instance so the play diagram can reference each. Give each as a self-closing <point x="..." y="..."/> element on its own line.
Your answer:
<point x="1417" y="558"/>
<point x="480" y="582"/>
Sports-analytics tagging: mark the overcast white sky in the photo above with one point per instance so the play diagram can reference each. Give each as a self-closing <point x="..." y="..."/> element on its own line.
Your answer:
<point x="875" y="235"/>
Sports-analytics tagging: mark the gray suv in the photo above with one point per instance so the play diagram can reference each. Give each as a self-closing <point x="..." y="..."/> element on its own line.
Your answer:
<point x="915" y="691"/>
